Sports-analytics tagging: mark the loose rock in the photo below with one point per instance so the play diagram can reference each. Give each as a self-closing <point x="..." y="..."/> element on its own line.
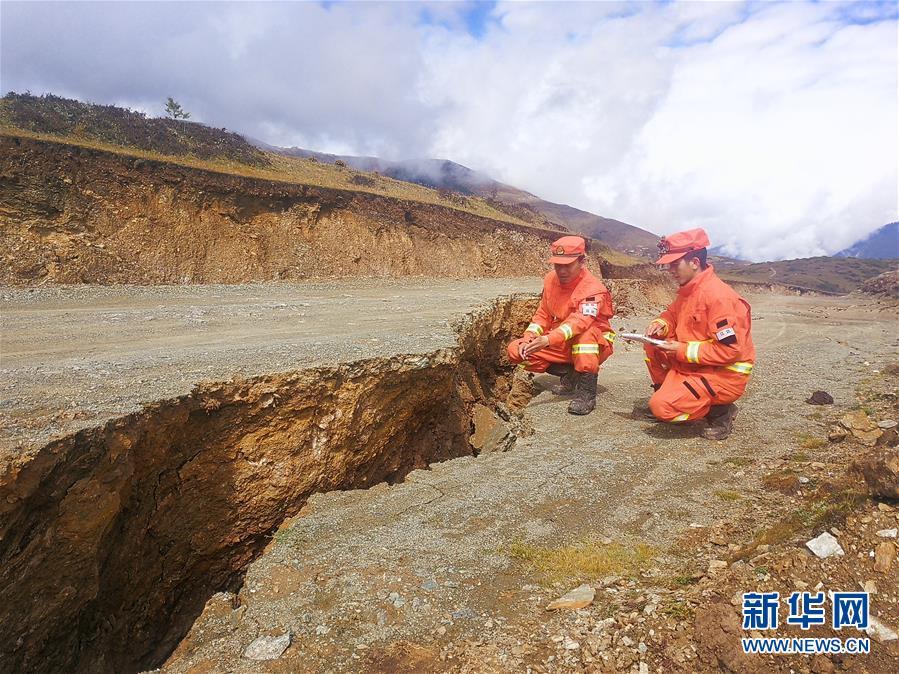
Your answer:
<point x="716" y="566"/>
<point x="880" y="631"/>
<point x="880" y="469"/>
<point x="884" y="556"/>
<point x="825" y="546"/>
<point x="860" y="425"/>
<point x="820" y="398"/>
<point x="267" y="648"/>
<point x="490" y="433"/>
<point x="580" y="597"/>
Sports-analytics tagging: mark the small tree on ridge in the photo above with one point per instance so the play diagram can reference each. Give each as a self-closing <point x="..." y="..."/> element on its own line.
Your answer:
<point x="174" y="110"/>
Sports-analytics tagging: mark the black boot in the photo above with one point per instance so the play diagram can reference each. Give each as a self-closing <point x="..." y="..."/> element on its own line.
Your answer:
<point x="584" y="393"/>
<point x="720" y="422"/>
<point x="565" y="372"/>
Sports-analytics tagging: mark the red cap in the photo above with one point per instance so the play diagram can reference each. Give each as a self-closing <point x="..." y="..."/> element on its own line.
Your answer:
<point x="674" y="246"/>
<point x="567" y="249"/>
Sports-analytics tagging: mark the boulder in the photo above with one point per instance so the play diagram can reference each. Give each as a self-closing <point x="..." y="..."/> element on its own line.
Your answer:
<point x="880" y="470"/>
<point x="862" y="427"/>
<point x="820" y="398"/>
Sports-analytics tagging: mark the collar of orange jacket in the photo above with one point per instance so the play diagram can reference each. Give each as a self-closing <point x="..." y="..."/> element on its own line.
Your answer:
<point x="696" y="281"/>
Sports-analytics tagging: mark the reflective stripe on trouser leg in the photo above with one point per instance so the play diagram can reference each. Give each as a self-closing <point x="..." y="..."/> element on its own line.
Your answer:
<point x="681" y="397"/>
<point x="586" y="357"/>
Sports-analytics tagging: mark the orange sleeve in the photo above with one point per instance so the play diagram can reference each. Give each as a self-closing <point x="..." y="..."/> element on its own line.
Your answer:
<point x="581" y="318"/>
<point x="541" y="321"/>
<point x="727" y="330"/>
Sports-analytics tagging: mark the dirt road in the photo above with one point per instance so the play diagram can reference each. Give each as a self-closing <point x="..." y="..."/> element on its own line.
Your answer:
<point x="451" y="569"/>
<point x="73" y="357"/>
<point x="448" y="570"/>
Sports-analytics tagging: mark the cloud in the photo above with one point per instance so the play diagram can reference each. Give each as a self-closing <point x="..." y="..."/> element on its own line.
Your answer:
<point x="337" y="77"/>
<point x="773" y="125"/>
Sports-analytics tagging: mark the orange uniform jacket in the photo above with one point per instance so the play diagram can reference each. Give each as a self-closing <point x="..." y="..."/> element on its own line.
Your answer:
<point x="570" y="310"/>
<point x="715" y="325"/>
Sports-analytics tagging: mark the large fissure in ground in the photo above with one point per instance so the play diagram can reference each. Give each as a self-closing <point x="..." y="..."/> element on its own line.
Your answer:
<point x="112" y="539"/>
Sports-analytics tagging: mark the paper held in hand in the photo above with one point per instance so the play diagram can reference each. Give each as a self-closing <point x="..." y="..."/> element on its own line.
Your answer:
<point x="634" y="337"/>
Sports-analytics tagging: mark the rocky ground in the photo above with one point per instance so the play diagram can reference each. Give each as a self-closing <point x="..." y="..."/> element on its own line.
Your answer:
<point x="453" y="569"/>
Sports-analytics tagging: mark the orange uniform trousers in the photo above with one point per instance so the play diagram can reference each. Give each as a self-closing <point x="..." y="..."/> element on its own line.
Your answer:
<point x="684" y="395"/>
<point x="580" y="351"/>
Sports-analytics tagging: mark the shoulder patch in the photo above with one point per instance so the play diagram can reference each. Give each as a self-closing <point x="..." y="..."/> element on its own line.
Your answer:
<point x="589" y="309"/>
<point x="727" y="336"/>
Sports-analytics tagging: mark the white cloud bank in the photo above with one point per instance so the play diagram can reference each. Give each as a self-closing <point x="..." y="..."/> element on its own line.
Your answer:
<point x="772" y="125"/>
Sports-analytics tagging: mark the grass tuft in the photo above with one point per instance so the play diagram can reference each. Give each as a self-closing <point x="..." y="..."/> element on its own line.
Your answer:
<point x="814" y="516"/>
<point x="587" y="559"/>
<point x="811" y="442"/>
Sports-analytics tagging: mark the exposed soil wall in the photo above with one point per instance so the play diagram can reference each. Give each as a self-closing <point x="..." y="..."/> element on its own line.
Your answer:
<point x="77" y="215"/>
<point x="112" y="539"/>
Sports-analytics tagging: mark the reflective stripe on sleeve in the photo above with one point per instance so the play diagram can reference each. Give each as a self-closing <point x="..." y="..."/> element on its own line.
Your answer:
<point x="536" y="329"/>
<point x="567" y="331"/>
<point x="741" y="367"/>
<point x="681" y="417"/>
<point x="584" y="348"/>
<point x="693" y="352"/>
<point x="609" y="337"/>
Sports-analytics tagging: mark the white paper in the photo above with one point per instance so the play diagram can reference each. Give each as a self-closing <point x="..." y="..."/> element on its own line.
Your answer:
<point x="634" y="337"/>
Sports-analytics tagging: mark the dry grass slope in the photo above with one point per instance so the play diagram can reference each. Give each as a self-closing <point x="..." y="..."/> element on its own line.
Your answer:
<point x="193" y="145"/>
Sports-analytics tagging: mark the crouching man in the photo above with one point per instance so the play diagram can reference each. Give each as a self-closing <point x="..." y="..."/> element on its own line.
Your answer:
<point x="705" y="362"/>
<point x="569" y="336"/>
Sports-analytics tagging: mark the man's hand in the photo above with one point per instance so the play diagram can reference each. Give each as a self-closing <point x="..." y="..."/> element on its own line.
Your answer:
<point x="534" y="346"/>
<point x="670" y="346"/>
<point x="656" y="329"/>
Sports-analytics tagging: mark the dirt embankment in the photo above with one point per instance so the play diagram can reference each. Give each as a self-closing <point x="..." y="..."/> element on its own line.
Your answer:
<point x="77" y="215"/>
<point x="113" y="538"/>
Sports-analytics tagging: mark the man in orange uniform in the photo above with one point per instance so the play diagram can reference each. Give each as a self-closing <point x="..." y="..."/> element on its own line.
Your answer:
<point x="705" y="362"/>
<point x="569" y="336"/>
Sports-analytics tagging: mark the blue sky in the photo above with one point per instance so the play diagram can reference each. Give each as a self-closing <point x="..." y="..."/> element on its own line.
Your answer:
<point x="770" y="124"/>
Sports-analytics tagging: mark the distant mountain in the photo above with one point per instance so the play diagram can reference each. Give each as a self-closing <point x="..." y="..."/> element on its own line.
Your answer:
<point x="448" y="175"/>
<point x="823" y="274"/>
<point x="881" y="244"/>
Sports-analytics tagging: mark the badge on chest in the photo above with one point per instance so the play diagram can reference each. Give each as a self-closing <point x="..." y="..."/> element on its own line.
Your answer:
<point x="590" y="309"/>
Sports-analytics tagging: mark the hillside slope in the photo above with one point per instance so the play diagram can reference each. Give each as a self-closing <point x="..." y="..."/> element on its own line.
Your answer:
<point x="880" y="244"/>
<point x="822" y="274"/>
<point x="75" y="214"/>
<point x="448" y="175"/>
<point x="122" y="131"/>
<point x="68" y="118"/>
